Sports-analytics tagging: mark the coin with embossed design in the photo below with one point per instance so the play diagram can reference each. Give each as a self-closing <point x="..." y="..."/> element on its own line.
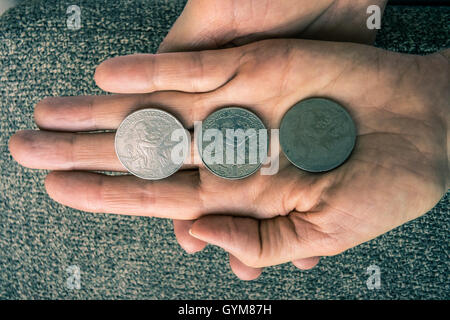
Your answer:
<point x="145" y="144"/>
<point x="317" y="134"/>
<point x="233" y="143"/>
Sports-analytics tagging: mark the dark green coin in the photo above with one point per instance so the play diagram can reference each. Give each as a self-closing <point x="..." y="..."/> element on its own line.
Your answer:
<point x="317" y="134"/>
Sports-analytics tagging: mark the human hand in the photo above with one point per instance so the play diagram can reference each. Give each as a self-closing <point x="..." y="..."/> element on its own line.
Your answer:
<point x="206" y="24"/>
<point x="397" y="172"/>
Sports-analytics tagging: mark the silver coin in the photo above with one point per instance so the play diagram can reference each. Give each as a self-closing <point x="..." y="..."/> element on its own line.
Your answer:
<point x="144" y="144"/>
<point x="233" y="143"/>
<point x="317" y="135"/>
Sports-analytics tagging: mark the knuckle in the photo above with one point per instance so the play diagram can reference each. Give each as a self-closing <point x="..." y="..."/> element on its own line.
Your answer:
<point x="146" y="196"/>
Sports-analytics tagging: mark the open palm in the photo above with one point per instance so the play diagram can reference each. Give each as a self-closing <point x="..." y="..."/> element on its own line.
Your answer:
<point x="206" y="24"/>
<point x="397" y="172"/>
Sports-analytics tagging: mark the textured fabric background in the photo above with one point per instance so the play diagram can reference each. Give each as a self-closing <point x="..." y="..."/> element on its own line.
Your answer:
<point x="137" y="257"/>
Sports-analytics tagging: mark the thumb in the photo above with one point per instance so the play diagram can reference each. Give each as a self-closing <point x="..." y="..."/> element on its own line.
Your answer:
<point x="186" y="241"/>
<point x="257" y="243"/>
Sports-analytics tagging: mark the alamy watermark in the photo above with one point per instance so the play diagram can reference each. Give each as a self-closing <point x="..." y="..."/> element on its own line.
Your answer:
<point x="74" y="18"/>
<point x="374" y="279"/>
<point x="374" y="20"/>
<point x="231" y="146"/>
<point x="73" y="280"/>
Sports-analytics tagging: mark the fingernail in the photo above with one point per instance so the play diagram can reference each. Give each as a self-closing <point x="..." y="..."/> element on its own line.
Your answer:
<point x="193" y="235"/>
<point x="190" y="232"/>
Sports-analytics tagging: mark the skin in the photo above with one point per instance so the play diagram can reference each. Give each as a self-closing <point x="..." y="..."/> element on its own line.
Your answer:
<point x="398" y="171"/>
<point x="206" y="24"/>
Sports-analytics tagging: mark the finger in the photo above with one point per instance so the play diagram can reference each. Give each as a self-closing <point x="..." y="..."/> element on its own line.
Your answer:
<point x="64" y="151"/>
<point x="307" y="263"/>
<point x="260" y="243"/>
<point x="242" y="271"/>
<point x="174" y="197"/>
<point x="87" y="113"/>
<point x="189" y="72"/>
<point x="38" y="149"/>
<point x="186" y="241"/>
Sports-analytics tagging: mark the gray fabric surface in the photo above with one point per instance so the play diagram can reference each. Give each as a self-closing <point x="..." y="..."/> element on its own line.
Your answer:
<point x="137" y="257"/>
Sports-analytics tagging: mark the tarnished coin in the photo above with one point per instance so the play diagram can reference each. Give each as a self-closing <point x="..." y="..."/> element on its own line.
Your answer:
<point x="233" y="143"/>
<point x="317" y="134"/>
<point x="144" y="143"/>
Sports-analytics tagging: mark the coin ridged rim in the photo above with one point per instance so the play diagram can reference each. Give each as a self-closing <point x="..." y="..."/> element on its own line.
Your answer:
<point x="353" y="129"/>
<point x="201" y="137"/>
<point x="142" y="111"/>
